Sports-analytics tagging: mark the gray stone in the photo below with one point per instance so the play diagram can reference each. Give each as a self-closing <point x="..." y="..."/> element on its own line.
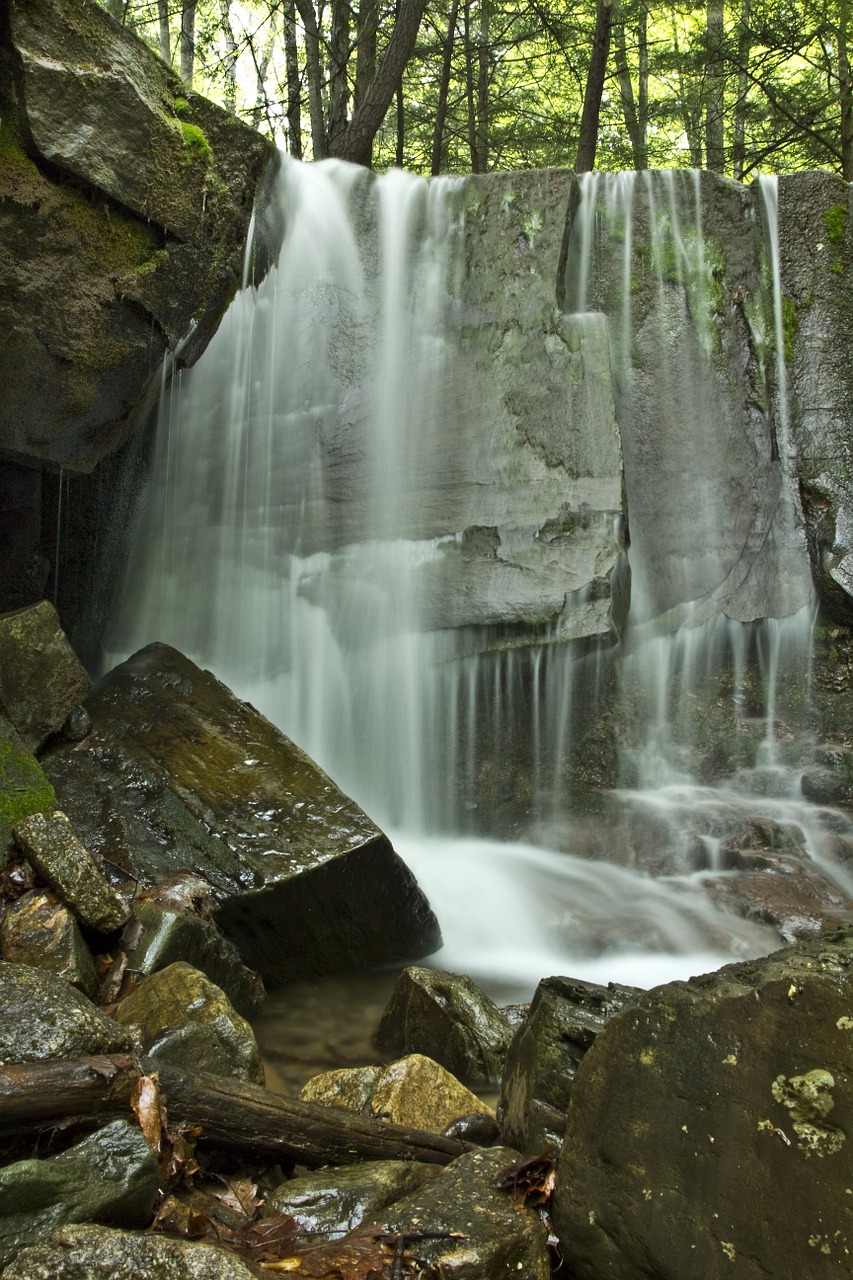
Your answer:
<point x="42" y="1017"/>
<point x="38" y="930"/>
<point x="41" y="677"/>
<point x="495" y="1237"/>
<point x="98" y="1253"/>
<point x="64" y="864"/>
<point x="446" y="1017"/>
<point x="708" y="1127"/>
<point x="158" y="937"/>
<point x="305" y="882"/>
<point x="127" y="202"/>
<point x="180" y="1015"/>
<point x="331" y="1202"/>
<point x="816" y="249"/>
<point x="565" y="1016"/>
<point x="112" y="1174"/>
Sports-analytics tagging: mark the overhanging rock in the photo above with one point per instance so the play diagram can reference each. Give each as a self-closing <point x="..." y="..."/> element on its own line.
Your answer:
<point x="178" y="772"/>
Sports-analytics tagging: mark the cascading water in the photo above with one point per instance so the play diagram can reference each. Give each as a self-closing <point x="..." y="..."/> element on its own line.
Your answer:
<point x="358" y="520"/>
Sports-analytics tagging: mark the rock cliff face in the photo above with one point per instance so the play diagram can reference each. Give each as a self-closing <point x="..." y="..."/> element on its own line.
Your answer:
<point x="126" y="202"/>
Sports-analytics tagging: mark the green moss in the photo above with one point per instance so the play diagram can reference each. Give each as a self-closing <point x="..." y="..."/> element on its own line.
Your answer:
<point x="837" y="269"/>
<point x="181" y="106"/>
<point x="789" y="325"/>
<point x="196" y="145"/>
<point x="835" y="221"/>
<point x="24" y="789"/>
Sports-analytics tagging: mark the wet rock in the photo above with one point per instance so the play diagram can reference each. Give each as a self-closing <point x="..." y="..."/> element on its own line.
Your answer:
<point x="830" y="779"/>
<point x="331" y="1202"/>
<point x="64" y="864"/>
<point x="794" y="895"/>
<point x="448" y="1018"/>
<point x="709" y="1122"/>
<point x="112" y="1174"/>
<point x="24" y="789"/>
<point x="38" y="930"/>
<point x="305" y="882"/>
<point x="350" y="1088"/>
<point x="42" y="1017"/>
<point x="99" y="1253"/>
<point x="157" y="937"/>
<point x="413" y="1091"/>
<point x="127" y="202"/>
<point x="493" y="1235"/>
<point x="565" y="1017"/>
<point x="41" y="677"/>
<point x="182" y="1016"/>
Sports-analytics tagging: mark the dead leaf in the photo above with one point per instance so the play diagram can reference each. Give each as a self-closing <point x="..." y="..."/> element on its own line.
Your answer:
<point x="529" y="1179"/>
<point x="150" y="1112"/>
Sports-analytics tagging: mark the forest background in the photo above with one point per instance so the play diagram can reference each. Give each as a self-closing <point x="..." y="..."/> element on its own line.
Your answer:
<point x="457" y="86"/>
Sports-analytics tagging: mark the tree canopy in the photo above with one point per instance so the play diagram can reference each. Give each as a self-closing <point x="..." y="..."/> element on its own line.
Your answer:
<point x="455" y="86"/>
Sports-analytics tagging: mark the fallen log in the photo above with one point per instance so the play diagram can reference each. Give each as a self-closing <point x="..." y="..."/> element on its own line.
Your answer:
<point x="228" y="1113"/>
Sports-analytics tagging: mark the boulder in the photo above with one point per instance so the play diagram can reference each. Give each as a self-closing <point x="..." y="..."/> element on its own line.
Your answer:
<point x="112" y="1174"/>
<point x="100" y="1253"/>
<point x="413" y="1091"/>
<point x="491" y="1235"/>
<point x="38" y="930"/>
<point x="330" y="1202"/>
<point x="177" y="773"/>
<point x="157" y="937"/>
<point x="708" y="1125"/>
<point x="565" y="1016"/>
<point x="42" y="1017"/>
<point x="126" y="203"/>
<point x="24" y="788"/>
<point x="63" y="863"/>
<point x="41" y="678"/>
<point x="448" y="1018"/>
<point x="180" y="1015"/>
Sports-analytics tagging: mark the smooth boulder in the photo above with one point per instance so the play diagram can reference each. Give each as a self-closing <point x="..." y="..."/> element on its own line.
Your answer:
<point x="708" y="1127"/>
<point x="43" y="1017"/>
<point x="304" y="882"/>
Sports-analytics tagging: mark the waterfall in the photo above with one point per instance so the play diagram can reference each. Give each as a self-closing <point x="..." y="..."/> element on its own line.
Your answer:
<point x="386" y="507"/>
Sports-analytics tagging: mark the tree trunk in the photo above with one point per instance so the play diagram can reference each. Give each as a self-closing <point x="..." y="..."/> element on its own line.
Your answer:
<point x="262" y="66"/>
<point x="315" y="78"/>
<point x="365" y="62"/>
<point x="294" y="90"/>
<point x="117" y="9"/>
<point x="188" y="9"/>
<point x="357" y="142"/>
<point x="165" y="39"/>
<point x="845" y="90"/>
<point x="715" y="83"/>
<point x="229" y="1113"/>
<point x="338" y="86"/>
<point x="588" y="141"/>
<point x="482" y="137"/>
<point x="626" y="93"/>
<point x="443" y="89"/>
<point x="469" y="88"/>
<point x="744" y="46"/>
<point x="230" y="61"/>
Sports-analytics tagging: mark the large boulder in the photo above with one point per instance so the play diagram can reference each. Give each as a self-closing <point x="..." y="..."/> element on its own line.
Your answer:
<point x="41" y="678"/>
<point x="87" y="1252"/>
<point x="126" y="203"/>
<point x="708" y="1126"/>
<point x="177" y="773"/>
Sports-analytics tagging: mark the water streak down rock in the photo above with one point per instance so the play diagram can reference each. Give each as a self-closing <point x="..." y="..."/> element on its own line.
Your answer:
<point x="189" y="776"/>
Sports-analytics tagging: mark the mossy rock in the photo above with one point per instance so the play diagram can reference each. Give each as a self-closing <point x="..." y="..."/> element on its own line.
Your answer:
<point x="24" y="789"/>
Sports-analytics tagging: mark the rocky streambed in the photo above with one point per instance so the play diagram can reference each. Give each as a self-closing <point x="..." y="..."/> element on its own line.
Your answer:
<point x="168" y="852"/>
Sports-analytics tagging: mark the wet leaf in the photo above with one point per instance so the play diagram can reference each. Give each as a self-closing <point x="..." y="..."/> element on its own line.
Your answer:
<point x="181" y="1219"/>
<point x="529" y="1179"/>
<point x="150" y="1112"/>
